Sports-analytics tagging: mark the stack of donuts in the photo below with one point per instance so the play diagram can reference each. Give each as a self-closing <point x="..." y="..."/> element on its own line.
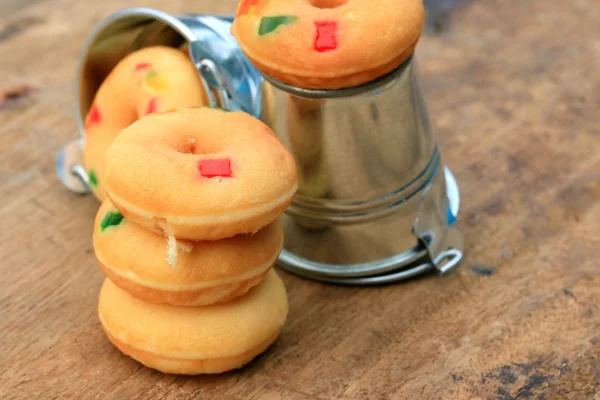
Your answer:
<point x="187" y="237"/>
<point x="188" y="230"/>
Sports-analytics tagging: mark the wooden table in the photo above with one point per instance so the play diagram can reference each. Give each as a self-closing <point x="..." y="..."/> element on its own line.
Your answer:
<point x="514" y="89"/>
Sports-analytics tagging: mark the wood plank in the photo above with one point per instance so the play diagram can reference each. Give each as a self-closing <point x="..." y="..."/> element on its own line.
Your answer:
<point x="513" y="88"/>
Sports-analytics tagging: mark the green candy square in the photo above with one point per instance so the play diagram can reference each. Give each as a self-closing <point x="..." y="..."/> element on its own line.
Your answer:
<point x="112" y="218"/>
<point x="270" y="24"/>
<point x="93" y="178"/>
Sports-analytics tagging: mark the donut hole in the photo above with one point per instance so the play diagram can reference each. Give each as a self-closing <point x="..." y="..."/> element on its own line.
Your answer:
<point x="188" y="146"/>
<point x="327" y="3"/>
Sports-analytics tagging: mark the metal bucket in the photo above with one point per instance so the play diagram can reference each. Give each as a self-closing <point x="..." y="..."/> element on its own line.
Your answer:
<point x="375" y="203"/>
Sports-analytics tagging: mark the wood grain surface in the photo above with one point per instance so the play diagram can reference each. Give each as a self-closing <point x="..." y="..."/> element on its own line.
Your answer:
<point x="514" y="90"/>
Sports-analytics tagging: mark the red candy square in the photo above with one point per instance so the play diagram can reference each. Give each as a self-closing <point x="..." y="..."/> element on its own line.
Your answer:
<point x="245" y="6"/>
<point x="215" y="167"/>
<point x="151" y="108"/>
<point x="94" y="117"/>
<point x="326" y="38"/>
<point x="142" y="66"/>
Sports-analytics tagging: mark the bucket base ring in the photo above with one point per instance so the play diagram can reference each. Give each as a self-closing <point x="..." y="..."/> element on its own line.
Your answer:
<point x="408" y="264"/>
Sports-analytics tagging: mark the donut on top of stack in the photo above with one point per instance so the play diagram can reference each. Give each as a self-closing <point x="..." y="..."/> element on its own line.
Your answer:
<point x="200" y="174"/>
<point x="328" y="44"/>
<point x="214" y="183"/>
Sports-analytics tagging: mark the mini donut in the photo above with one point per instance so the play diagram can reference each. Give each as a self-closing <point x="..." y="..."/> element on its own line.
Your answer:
<point x="200" y="174"/>
<point x="206" y="273"/>
<point x="328" y="44"/>
<point x="194" y="340"/>
<point x="149" y="80"/>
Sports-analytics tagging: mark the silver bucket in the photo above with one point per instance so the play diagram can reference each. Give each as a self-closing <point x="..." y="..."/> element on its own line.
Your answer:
<point x="375" y="202"/>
